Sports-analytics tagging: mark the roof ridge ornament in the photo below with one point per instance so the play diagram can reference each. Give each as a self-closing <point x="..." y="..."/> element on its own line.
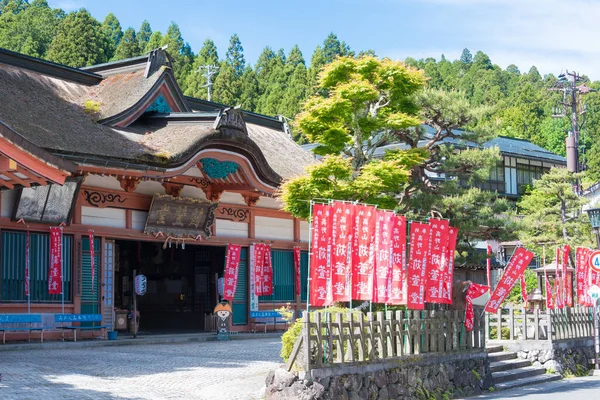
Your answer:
<point x="231" y="118"/>
<point x="157" y="59"/>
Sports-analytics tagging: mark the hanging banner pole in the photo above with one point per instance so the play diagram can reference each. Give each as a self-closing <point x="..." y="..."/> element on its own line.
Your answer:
<point x="310" y="252"/>
<point x="489" y="268"/>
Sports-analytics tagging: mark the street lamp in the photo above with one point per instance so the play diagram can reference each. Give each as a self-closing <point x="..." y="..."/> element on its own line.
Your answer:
<point x="594" y="215"/>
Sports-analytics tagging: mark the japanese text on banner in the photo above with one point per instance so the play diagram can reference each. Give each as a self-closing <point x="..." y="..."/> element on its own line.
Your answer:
<point x="417" y="265"/>
<point x="449" y="271"/>
<point x="231" y="271"/>
<point x="436" y="263"/>
<point x="297" y="269"/>
<point x="398" y="261"/>
<point x="383" y="238"/>
<point x="363" y="260"/>
<point x="320" y="271"/>
<point x="55" y="270"/>
<point x="513" y="271"/>
<point x="342" y="222"/>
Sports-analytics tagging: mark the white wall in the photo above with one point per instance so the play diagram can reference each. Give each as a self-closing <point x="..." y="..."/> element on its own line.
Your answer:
<point x="192" y="192"/>
<point x="269" y="202"/>
<point x="113" y="217"/>
<point x="150" y="187"/>
<point x="304" y="231"/>
<point x="138" y="219"/>
<point x="8" y="202"/>
<point x="232" y="198"/>
<point x="231" y="228"/>
<point x="274" y="228"/>
<point x="108" y="182"/>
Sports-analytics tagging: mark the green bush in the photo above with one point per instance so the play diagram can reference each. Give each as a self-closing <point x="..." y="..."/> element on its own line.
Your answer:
<point x="505" y="333"/>
<point x="288" y="339"/>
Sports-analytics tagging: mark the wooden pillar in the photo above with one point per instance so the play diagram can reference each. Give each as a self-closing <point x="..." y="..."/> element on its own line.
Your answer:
<point x="76" y="284"/>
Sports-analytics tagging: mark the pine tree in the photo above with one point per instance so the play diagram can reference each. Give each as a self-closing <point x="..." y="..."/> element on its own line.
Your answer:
<point x="154" y="42"/>
<point x="112" y="29"/>
<point x="79" y="41"/>
<point x="249" y="90"/>
<point x="180" y="53"/>
<point x="272" y="81"/>
<point x="226" y="88"/>
<point x="466" y="57"/>
<point x="196" y="80"/>
<point x="143" y="35"/>
<point x="235" y="55"/>
<point x="129" y="46"/>
<point x="332" y="48"/>
<point x="317" y="62"/>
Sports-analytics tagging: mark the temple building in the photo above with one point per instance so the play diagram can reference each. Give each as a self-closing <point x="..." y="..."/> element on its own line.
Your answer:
<point x="163" y="182"/>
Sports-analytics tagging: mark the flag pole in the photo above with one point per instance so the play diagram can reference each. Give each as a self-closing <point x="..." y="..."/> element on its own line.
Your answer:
<point x="28" y="274"/>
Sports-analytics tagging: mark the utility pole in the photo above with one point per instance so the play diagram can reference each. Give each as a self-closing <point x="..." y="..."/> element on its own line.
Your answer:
<point x="573" y="87"/>
<point x="210" y="71"/>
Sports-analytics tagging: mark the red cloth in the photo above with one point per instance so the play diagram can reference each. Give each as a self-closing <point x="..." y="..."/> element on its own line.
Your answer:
<point x="27" y="265"/>
<point x="259" y="262"/>
<point x="267" y="277"/>
<point x="320" y="269"/>
<point x="363" y="252"/>
<point x="55" y="270"/>
<point x="231" y="271"/>
<point x="563" y="277"/>
<point x="549" y="299"/>
<point x="513" y="271"/>
<point x="449" y="271"/>
<point x="489" y="266"/>
<point x="383" y="249"/>
<point x="473" y="292"/>
<point x="342" y="223"/>
<point x="398" y="283"/>
<point x="419" y="245"/>
<point x="436" y="263"/>
<point x="92" y="256"/>
<point x="557" y="291"/>
<point x="297" y="269"/>
<point x="524" y="291"/>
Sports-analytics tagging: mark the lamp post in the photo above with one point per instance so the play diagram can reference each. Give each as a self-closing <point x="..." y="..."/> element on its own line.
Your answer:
<point x="594" y="215"/>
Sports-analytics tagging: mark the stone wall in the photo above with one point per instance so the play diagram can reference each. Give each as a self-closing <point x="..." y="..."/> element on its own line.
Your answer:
<point x="416" y="377"/>
<point x="569" y="359"/>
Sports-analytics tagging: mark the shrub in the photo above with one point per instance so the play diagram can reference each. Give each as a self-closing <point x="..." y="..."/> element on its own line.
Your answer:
<point x="494" y="333"/>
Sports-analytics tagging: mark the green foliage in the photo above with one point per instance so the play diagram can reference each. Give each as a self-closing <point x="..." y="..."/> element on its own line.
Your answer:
<point x="91" y="107"/>
<point x="80" y="41"/>
<point x="143" y="35"/>
<point x="112" y="29"/>
<point x="235" y="55"/>
<point x="196" y="80"/>
<point x="531" y="283"/>
<point x="552" y="213"/>
<point x="505" y="333"/>
<point x="128" y="46"/>
<point x="154" y="42"/>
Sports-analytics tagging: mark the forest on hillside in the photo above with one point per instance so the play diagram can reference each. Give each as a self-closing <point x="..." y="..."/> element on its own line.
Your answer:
<point x="279" y="82"/>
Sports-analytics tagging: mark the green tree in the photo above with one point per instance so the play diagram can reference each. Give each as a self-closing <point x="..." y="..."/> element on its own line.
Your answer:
<point x="129" y="46"/>
<point x="333" y="47"/>
<point x="248" y="90"/>
<point x="515" y="297"/>
<point x="143" y="35"/>
<point x="29" y="28"/>
<point x="552" y="213"/>
<point x="80" y="41"/>
<point x="226" y="89"/>
<point x="180" y="53"/>
<point x="235" y="55"/>
<point x="112" y="29"/>
<point x="154" y="42"/>
<point x="466" y="57"/>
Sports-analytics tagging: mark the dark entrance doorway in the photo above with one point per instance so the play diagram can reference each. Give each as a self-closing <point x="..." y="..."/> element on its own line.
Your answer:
<point x="182" y="283"/>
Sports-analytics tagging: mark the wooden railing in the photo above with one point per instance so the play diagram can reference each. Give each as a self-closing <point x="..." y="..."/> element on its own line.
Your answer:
<point x="522" y="324"/>
<point x="334" y="339"/>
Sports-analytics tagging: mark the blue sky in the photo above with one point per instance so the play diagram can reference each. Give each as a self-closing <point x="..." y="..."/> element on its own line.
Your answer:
<point x="522" y="32"/>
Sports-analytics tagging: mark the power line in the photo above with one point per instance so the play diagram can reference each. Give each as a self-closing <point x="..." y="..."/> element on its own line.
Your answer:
<point x="210" y="71"/>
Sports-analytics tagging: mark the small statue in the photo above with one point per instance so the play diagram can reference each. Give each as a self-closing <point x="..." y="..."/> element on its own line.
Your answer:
<point x="223" y="311"/>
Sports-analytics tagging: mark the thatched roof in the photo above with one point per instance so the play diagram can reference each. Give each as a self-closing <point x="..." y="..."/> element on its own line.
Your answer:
<point x="77" y="118"/>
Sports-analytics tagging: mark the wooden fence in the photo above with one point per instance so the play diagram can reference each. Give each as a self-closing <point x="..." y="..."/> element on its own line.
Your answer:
<point x="336" y="339"/>
<point x="521" y="324"/>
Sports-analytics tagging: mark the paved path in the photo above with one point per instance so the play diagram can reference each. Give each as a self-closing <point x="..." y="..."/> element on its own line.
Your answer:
<point x="211" y="370"/>
<point x="586" y="388"/>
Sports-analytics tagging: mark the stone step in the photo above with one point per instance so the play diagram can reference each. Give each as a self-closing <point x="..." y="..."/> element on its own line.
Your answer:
<point x="509" y="364"/>
<point x="514" y="374"/>
<point x="505" y="355"/>
<point x="494" y="349"/>
<point x="532" y="380"/>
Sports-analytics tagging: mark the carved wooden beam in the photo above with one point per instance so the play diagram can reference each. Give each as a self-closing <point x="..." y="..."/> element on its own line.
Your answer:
<point x="128" y="184"/>
<point x="250" y="200"/>
<point x="172" y="189"/>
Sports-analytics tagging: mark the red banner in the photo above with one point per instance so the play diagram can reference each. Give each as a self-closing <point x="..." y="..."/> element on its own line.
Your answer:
<point x="363" y="252"/>
<point x="449" y="272"/>
<point x="92" y="261"/>
<point x="27" y="265"/>
<point x="398" y="261"/>
<point x="557" y="292"/>
<point x="342" y="223"/>
<point x="419" y="245"/>
<point x="267" y="281"/>
<point x="320" y="271"/>
<point x="513" y="271"/>
<point x="297" y="269"/>
<point x="383" y="249"/>
<point x="259" y="260"/>
<point x="581" y="277"/>
<point x="473" y="292"/>
<point x="569" y="285"/>
<point x="565" y="265"/>
<point x="232" y="263"/>
<point x="55" y="267"/>
<point x="549" y="299"/>
<point x="436" y="263"/>
<point x="523" y="291"/>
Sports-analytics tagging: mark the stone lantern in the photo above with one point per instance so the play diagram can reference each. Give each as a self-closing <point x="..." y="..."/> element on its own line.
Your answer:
<point x="535" y="299"/>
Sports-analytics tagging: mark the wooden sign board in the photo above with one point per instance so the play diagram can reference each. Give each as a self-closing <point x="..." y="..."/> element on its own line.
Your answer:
<point x="180" y="217"/>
